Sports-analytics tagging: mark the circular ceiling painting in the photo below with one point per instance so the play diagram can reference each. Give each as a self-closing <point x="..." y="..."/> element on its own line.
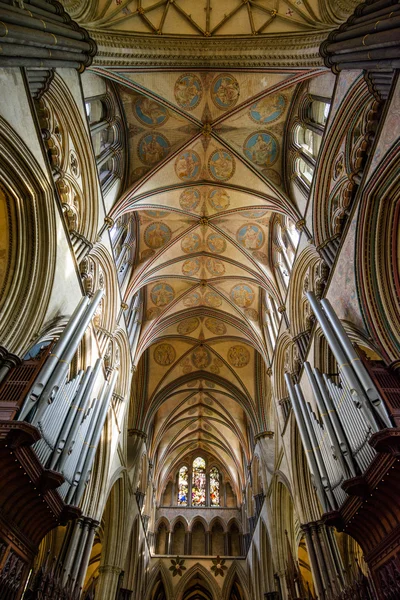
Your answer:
<point x="152" y="148"/>
<point x="188" y="91"/>
<point x="238" y="356"/>
<point x="268" y="109"/>
<point x="156" y="235"/>
<point x="225" y="91"/>
<point x="187" y="165"/>
<point x="242" y="295"/>
<point x="162" y="294"/>
<point x="150" y="112"/>
<point x="221" y="165"/>
<point x="261" y="148"/>
<point x="189" y="199"/>
<point x="164" y="355"/>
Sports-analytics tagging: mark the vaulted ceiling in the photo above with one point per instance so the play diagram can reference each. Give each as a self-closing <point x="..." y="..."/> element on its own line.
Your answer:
<point x="206" y="17"/>
<point x="206" y="180"/>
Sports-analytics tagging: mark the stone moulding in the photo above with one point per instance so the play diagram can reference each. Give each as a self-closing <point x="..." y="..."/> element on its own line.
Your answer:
<point x="295" y="51"/>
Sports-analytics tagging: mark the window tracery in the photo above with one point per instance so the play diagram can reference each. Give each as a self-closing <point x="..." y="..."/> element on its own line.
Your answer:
<point x="199" y="482"/>
<point x="307" y="138"/>
<point x="183" y="486"/>
<point x="105" y="128"/>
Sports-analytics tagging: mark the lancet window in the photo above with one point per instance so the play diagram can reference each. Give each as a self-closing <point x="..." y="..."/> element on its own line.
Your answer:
<point x="285" y="241"/>
<point x="106" y="139"/>
<point x="197" y="485"/>
<point x="308" y="138"/>
<point x="183" y="486"/>
<point x="199" y="482"/>
<point x="214" y="487"/>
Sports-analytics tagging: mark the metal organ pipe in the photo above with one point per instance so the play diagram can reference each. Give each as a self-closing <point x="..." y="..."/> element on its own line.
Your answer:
<point x="94" y="440"/>
<point x="306" y="443"/>
<point x="324" y="412"/>
<point x="63" y="364"/>
<point x="54" y="357"/>
<point x="317" y="450"/>
<point x="71" y="425"/>
<point x="356" y="390"/>
<point x="361" y="372"/>
<point x="336" y="423"/>
<point x="93" y="418"/>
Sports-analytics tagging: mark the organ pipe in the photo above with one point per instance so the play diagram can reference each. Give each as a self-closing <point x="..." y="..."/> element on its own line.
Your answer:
<point x="63" y="363"/>
<point x="316" y="448"/>
<point x="95" y="438"/>
<point x="306" y="443"/>
<point x="336" y="423"/>
<point x="357" y="392"/>
<point x="361" y="372"/>
<point x="67" y="437"/>
<point x="54" y="357"/>
<point x="324" y="412"/>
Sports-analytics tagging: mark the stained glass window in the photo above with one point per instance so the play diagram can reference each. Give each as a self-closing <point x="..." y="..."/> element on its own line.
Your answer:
<point x="199" y="482"/>
<point x="183" y="487"/>
<point x="214" y="487"/>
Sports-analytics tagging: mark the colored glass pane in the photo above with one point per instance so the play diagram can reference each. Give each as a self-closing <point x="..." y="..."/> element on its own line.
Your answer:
<point x="183" y="486"/>
<point x="199" y="482"/>
<point x="214" y="487"/>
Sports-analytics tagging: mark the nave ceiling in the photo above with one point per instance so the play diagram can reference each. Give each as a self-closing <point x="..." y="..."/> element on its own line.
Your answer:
<point x="206" y="183"/>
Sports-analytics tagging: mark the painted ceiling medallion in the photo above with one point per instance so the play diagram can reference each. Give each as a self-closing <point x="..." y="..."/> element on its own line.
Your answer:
<point x="261" y="148"/>
<point x="189" y="199"/>
<point x="221" y="165"/>
<point x="191" y="300"/>
<point x="188" y="165"/>
<point x="225" y="91"/>
<point x="150" y="113"/>
<point x="152" y="148"/>
<point x="242" y="295"/>
<point x="251" y="314"/>
<point x="201" y="357"/>
<point x="250" y="236"/>
<point x="153" y="313"/>
<point x="188" y="326"/>
<point x="212" y="299"/>
<point x="164" y="355"/>
<point x="219" y="199"/>
<point x="216" y="243"/>
<point x="273" y="176"/>
<point x="215" y="326"/>
<point x="191" y="243"/>
<point x="156" y="235"/>
<point x="162" y="294"/>
<point x="238" y="356"/>
<point x="261" y="257"/>
<point x="215" y="267"/>
<point x="191" y="267"/>
<point x="268" y="109"/>
<point x="188" y="91"/>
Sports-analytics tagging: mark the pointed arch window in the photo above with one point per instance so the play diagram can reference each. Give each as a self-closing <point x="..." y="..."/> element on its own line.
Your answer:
<point x="214" y="487"/>
<point x="199" y="482"/>
<point x="183" y="486"/>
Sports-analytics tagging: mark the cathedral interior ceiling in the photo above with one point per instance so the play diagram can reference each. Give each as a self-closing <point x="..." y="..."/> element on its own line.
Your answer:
<point x="207" y="17"/>
<point x="206" y="179"/>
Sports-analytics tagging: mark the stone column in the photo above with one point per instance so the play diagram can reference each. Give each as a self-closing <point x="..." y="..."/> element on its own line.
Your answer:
<point x="108" y="582"/>
<point x="320" y="557"/>
<point x="226" y="543"/>
<point x="84" y="562"/>
<point x="208" y="543"/>
<point x="170" y="539"/>
<point x="188" y="543"/>
<point x="313" y="560"/>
